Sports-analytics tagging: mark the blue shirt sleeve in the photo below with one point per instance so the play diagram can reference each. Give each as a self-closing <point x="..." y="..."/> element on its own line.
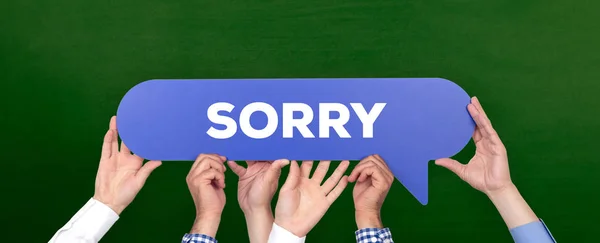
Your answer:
<point x="197" y="238"/>
<point x="534" y="232"/>
<point x="374" y="235"/>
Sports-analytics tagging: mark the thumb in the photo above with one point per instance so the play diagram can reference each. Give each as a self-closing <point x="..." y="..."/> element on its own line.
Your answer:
<point x="146" y="169"/>
<point x="275" y="169"/>
<point x="236" y="168"/>
<point x="452" y="165"/>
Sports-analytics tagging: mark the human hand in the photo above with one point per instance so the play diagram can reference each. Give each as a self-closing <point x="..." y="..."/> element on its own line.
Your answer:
<point x="206" y="181"/>
<point x="488" y="170"/>
<point x="121" y="175"/>
<point x="257" y="183"/>
<point x="303" y="201"/>
<point x="256" y="186"/>
<point x="373" y="181"/>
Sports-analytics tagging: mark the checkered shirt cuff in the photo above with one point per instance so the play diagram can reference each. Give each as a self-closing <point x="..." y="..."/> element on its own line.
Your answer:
<point x="197" y="238"/>
<point x="373" y="235"/>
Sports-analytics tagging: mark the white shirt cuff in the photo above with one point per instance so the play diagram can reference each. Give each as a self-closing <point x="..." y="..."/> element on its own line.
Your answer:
<point x="89" y="224"/>
<point x="281" y="235"/>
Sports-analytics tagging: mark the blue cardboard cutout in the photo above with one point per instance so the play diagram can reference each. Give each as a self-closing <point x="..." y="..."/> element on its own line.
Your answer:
<point x="407" y="121"/>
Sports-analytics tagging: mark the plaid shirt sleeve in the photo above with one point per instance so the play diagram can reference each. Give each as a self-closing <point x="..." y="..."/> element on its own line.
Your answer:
<point x="374" y="235"/>
<point x="197" y="238"/>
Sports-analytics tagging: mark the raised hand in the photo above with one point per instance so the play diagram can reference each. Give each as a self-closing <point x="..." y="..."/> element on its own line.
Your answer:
<point x="256" y="187"/>
<point x="303" y="200"/>
<point x="488" y="170"/>
<point x="257" y="183"/>
<point x="206" y="181"/>
<point x="121" y="175"/>
<point x="373" y="181"/>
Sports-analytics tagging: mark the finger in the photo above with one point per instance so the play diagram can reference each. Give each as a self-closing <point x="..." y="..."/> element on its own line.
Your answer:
<point x="115" y="136"/>
<point x="357" y="169"/>
<point x="212" y="176"/>
<point x="452" y="165"/>
<point x="293" y="177"/>
<point x="275" y="169"/>
<point x="146" y="170"/>
<point x="197" y="162"/>
<point x="321" y="171"/>
<point x="202" y="157"/>
<point x="210" y="162"/>
<point x="112" y="125"/>
<point x="236" y="168"/>
<point x="484" y="126"/>
<point x="479" y="121"/>
<point x="125" y="149"/>
<point x="484" y="119"/>
<point x="476" y="136"/>
<point x="335" y="177"/>
<point x="378" y="179"/>
<point x="477" y="104"/>
<point x="366" y="172"/>
<point x="377" y="161"/>
<point x="380" y="160"/>
<point x="360" y="173"/>
<point x="306" y="167"/>
<point x="107" y="145"/>
<point x="385" y="169"/>
<point x="337" y="191"/>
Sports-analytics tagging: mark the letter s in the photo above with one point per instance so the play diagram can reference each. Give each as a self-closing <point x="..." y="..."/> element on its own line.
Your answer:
<point x="214" y="117"/>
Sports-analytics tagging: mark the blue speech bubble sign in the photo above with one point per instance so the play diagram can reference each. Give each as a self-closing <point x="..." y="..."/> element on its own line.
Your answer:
<point x="407" y="121"/>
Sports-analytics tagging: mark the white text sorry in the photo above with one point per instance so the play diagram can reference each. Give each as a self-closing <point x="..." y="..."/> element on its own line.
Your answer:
<point x="289" y="122"/>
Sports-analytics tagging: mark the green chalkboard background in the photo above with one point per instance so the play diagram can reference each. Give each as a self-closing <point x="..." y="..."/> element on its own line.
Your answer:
<point x="535" y="65"/>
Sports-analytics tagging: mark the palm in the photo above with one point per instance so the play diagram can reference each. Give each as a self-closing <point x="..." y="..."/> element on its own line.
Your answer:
<point x="123" y="168"/>
<point x="303" y="200"/>
<point x="253" y="188"/>
<point x="488" y="170"/>
<point x="308" y="196"/>
<point x="120" y="174"/>
<point x="293" y="205"/>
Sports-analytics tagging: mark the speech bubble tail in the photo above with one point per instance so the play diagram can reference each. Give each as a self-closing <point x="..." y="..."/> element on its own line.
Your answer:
<point x="413" y="176"/>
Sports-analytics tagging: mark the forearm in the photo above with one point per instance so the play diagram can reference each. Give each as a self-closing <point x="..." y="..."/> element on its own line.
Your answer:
<point x="259" y="223"/>
<point x="368" y="220"/>
<point x="206" y="225"/>
<point x="370" y="228"/>
<point x="88" y="225"/>
<point x="282" y="235"/>
<point x="512" y="207"/>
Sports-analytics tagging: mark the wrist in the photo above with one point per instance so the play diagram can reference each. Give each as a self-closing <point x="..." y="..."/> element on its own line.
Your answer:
<point x="257" y="211"/>
<point x="259" y="223"/>
<point x="503" y="194"/>
<point x="292" y="227"/>
<point x="118" y="209"/>
<point x="259" y="218"/>
<point x="368" y="219"/>
<point x="512" y="207"/>
<point x="206" y="225"/>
